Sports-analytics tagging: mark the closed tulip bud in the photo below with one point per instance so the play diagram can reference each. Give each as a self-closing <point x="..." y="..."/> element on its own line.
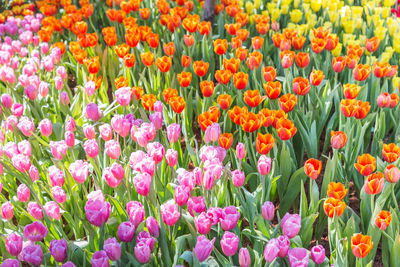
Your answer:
<point x="100" y="259"/>
<point x="64" y="98"/>
<point x="58" y="194"/>
<point x="146" y="238"/>
<point x="17" y="109"/>
<point x="136" y="212"/>
<point x="90" y="87"/>
<point x="142" y="252"/>
<point x="212" y="133"/>
<point x="374" y="183"/>
<point x="244" y="258"/>
<point x="229" y="218"/>
<point x="97" y="211"/>
<point x="43" y="89"/>
<point x="338" y="139"/>
<point x="318" y="254"/>
<point x="383" y="219"/>
<point x="123" y="96"/>
<point x="31" y="92"/>
<point x="203" y="248"/>
<point x="92" y="112"/>
<point x="126" y="231"/>
<point x="298" y="257"/>
<point x="32" y="254"/>
<point x="169" y="213"/>
<point x="173" y="132"/>
<point x="23" y="193"/>
<point x="171" y="157"/>
<point x="271" y="250"/>
<point x="7" y="211"/>
<point x="152" y="226"/>
<point x="79" y="171"/>
<point x="240" y="151"/>
<point x="202" y="223"/>
<point x="182" y="194"/>
<point x="68" y="264"/>
<point x="89" y="131"/>
<point x="264" y="165"/>
<point x="142" y="183"/>
<point x="35" y="211"/>
<point x="14" y="244"/>
<point x="312" y="168"/>
<point x="392" y="174"/>
<point x="91" y="148"/>
<point x="268" y="210"/>
<point x="113" y="149"/>
<point x="6" y="100"/>
<point x="35" y="231"/>
<point x="69" y="139"/>
<point x="118" y="171"/>
<point x="45" y="127"/>
<point x="238" y="178"/>
<point x="58" y="249"/>
<point x="291" y="224"/>
<point x="112" y="249"/>
<point x="284" y="245"/>
<point x="229" y="243"/>
<point x="156" y="119"/>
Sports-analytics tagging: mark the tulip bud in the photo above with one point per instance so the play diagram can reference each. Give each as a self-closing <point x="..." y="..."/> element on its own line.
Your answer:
<point x="35" y="211"/>
<point x="7" y="211"/>
<point x="68" y="264"/>
<point x="284" y="245"/>
<point x="11" y="263"/>
<point x="69" y="138"/>
<point x="136" y="212"/>
<point x="383" y="100"/>
<point x="90" y="87"/>
<point x="152" y="226"/>
<point x="91" y="148"/>
<point x="264" y="165"/>
<point x="229" y="243"/>
<point x="298" y="257"/>
<point x="202" y="223"/>
<point x="46" y="127"/>
<point x="271" y="250"/>
<point x="244" y="257"/>
<point x="23" y="193"/>
<point x="238" y="178"/>
<point x="126" y="231"/>
<point x="158" y="107"/>
<point x="52" y="210"/>
<point x="118" y="171"/>
<point x="291" y="224"/>
<point x="173" y="132"/>
<point x="58" y="194"/>
<point x="58" y="249"/>
<point x="171" y="157"/>
<point x="212" y="133"/>
<point x="14" y="244"/>
<point x="32" y="254"/>
<point x="392" y="174"/>
<point x="268" y="210"/>
<point x="106" y="132"/>
<point x="203" y="248"/>
<point x="64" y="98"/>
<point x="100" y="259"/>
<point x="240" y="151"/>
<point x="318" y="254"/>
<point x="156" y="119"/>
<point x="89" y="131"/>
<point x="112" y="248"/>
<point x="142" y="252"/>
<point x="92" y="112"/>
<point x="169" y="213"/>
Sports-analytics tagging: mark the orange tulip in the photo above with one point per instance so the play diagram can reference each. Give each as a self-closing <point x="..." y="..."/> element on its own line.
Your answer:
<point x="232" y="28"/>
<point x="338" y="139"/>
<point x="361" y="245"/>
<point x="287" y="102"/>
<point x="242" y="18"/>
<point x="110" y="36"/>
<point x="334" y="207"/>
<point x="225" y="140"/>
<point x="374" y="183"/>
<point x="348" y="107"/>
<point x="312" y="168"/>
<point x="298" y="42"/>
<point x="250" y="122"/>
<point x="138" y="92"/>
<point x="236" y="42"/>
<point x="338" y="64"/>
<point x="190" y="24"/>
<point x="320" y="32"/>
<point x="236" y="113"/>
<point x="184" y="79"/>
<point x="144" y="13"/>
<point x="278" y="115"/>
<point x="200" y="68"/>
<point x="383" y="219"/>
<point x="372" y="44"/>
<point x="231" y="64"/>
<point x="224" y="101"/>
<point x="169" y="49"/>
<point x="204" y="27"/>
<point x="242" y="34"/>
<point x="240" y="80"/>
<point x="316" y="77"/>
<point x="366" y="164"/>
<point x="287" y="58"/>
<point x="164" y="63"/>
<point x="207" y="88"/>
<point x="129" y="60"/>
<point x="206" y="119"/>
<point x="220" y="46"/>
<point x="351" y="61"/>
<point x="269" y="73"/>
<point x="223" y="76"/>
<point x="285" y="129"/>
<point x="318" y="45"/>
<point x="121" y="82"/>
<point x="300" y="86"/>
<point x="268" y="117"/>
<point x="262" y="28"/>
<point x="97" y="81"/>
<point x="336" y="190"/>
<point x="185" y="61"/>
<point x="351" y="91"/>
<point x="264" y="143"/>
<point x="394" y="99"/>
<point x="177" y="103"/>
<point x="252" y="98"/>
<point x="148" y="101"/>
<point x="153" y="40"/>
<point x="381" y="69"/>
<point x="355" y="50"/>
<point x="61" y="46"/>
<point x="285" y="44"/>
<point x="93" y="65"/>
<point x="273" y="89"/>
<point x="132" y="38"/>
<point x="147" y="58"/>
<point x="361" y="72"/>
<point x="241" y="53"/>
<point x="257" y="42"/>
<point x="277" y="39"/>
<point x="168" y="93"/>
<point x="390" y="152"/>
<point x="362" y="109"/>
<point x="302" y="59"/>
<point x="331" y="42"/>
<point x="392" y="71"/>
<point x="254" y="60"/>
<point x="188" y="39"/>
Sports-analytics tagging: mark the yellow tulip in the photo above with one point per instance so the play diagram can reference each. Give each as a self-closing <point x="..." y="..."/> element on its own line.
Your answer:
<point x="271" y="6"/>
<point x="378" y="11"/>
<point x="348" y="26"/>
<point x="275" y="14"/>
<point x="249" y="7"/>
<point x="325" y="4"/>
<point x="386" y="12"/>
<point x="257" y="4"/>
<point x="389" y="49"/>
<point x="296" y="15"/>
<point x="371" y="60"/>
<point x="315" y="5"/>
<point x="380" y="32"/>
<point x="389" y="3"/>
<point x="296" y="3"/>
<point x="357" y="11"/>
<point x="396" y="82"/>
<point x="394" y="28"/>
<point x="265" y="12"/>
<point x="333" y="16"/>
<point x="385" y="57"/>
<point x="286" y="2"/>
<point x="359" y="23"/>
<point x="306" y="1"/>
<point x="396" y="42"/>
<point x="337" y="51"/>
<point x="332" y="7"/>
<point x="285" y="9"/>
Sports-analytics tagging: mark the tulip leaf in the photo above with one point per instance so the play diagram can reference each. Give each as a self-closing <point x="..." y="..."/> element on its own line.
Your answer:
<point x="293" y="190"/>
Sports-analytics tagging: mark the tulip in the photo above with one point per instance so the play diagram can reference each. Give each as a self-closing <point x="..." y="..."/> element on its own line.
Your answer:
<point x="264" y="143"/>
<point x="318" y="254"/>
<point x="212" y="133"/>
<point x="79" y="171"/>
<point x="229" y="218"/>
<point x="126" y="231"/>
<point x="142" y="252"/>
<point x="58" y="194"/>
<point x="89" y="132"/>
<point x="284" y="245"/>
<point x="69" y="138"/>
<point x="238" y="178"/>
<point x="169" y="213"/>
<point x="203" y="248"/>
<point x="11" y="263"/>
<point x="45" y="127"/>
<point x="334" y="207"/>
<point x="338" y="139"/>
<point x="312" y="168"/>
<point x="97" y="211"/>
<point x="244" y="258"/>
<point x="271" y="250"/>
<point x="366" y="164"/>
<point x="171" y="157"/>
<point x="112" y="248"/>
<point x="58" y="249"/>
<point x="392" y="174"/>
<point x="173" y="132"/>
<point x="240" y="151"/>
<point x="291" y="224"/>
<point x="152" y="226"/>
<point x="14" y="244"/>
<point x="268" y="210"/>
<point x="68" y="264"/>
<point x="106" y="132"/>
<point x="91" y="148"/>
<point x="92" y="112"/>
<point x="298" y="257"/>
<point x="23" y="193"/>
<point x="383" y="219"/>
<point x="7" y="211"/>
<point x="52" y="210"/>
<point x="229" y="243"/>
<point x="196" y="204"/>
<point x="336" y="190"/>
<point x="264" y="165"/>
<point x="100" y="259"/>
<point x="390" y="152"/>
<point x="142" y="183"/>
<point x="156" y="119"/>
<point x="202" y="223"/>
<point x="374" y="183"/>
<point x="32" y="254"/>
<point x="361" y="245"/>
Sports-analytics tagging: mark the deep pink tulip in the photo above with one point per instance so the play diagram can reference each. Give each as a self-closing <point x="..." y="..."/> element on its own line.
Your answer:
<point x="203" y="248"/>
<point x="126" y="231"/>
<point x="14" y="244"/>
<point x="35" y="231"/>
<point x="229" y="218"/>
<point x="202" y="223"/>
<point x="152" y="226"/>
<point x="196" y="205"/>
<point x="169" y="212"/>
<point x="229" y="243"/>
<point x="112" y="248"/>
<point x="291" y="224"/>
<point x="58" y="249"/>
<point x="100" y="259"/>
<point x="136" y="212"/>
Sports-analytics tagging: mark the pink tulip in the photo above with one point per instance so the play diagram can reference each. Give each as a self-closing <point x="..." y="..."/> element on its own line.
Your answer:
<point x="146" y="238"/>
<point x="58" y="194"/>
<point x="214" y="214"/>
<point x="70" y="124"/>
<point x="35" y="231"/>
<point x="46" y="127"/>
<point x="142" y="252"/>
<point x="32" y="254"/>
<point x="123" y="96"/>
<point x="92" y="112"/>
<point x="291" y="224"/>
<point x="106" y="132"/>
<point x="21" y="162"/>
<point x="156" y="119"/>
<point x="169" y="212"/>
<point x="109" y="177"/>
<point x="69" y="138"/>
<point x="89" y="131"/>
<point x="61" y="72"/>
<point x="147" y="164"/>
<point x="58" y="249"/>
<point x="100" y="259"/>
<point x="17" y="109"/>
<point x="11" y="123"/>
<point x="97" y="211"/>
<point x="271" y="250"/>
<point x="238" y="178"/>
<point x="91" y="148"/>
<point x="113" y="149"/>
<point x="203" y="248"/>
<point x="268" y="210"/>
<point x="11" y="263"/>
<point x="90" y="87"/>
<point x="171" y="157"/>
<point x="244" y="257"/>
<point x="208" y="180"/>
<point x="156" y="151"/>
<point x="35" y="211"/>
<point x="318" y="254"/>
<point x="182" y="194"/>
<point x="392" y="174"/>
<point x="158" y="107"/>
<point x="118" y="171"/>
<point x="43" y="89"/>
<point x="112" y="248"/>
<point x="198" y="175"/>
<point x="229" y="218"/>
<point x="25" y="148"/>
<point x="64" y="98"/>
<point x="173" y="132"/>
<point x="52" y="210"/>
<point x="56" y="176"/>
<point x="142" y="183"/>
<point x="383" y="100"/>
<point x="126" y="231"/>
<point x="23" y="193"/>
<point x="186" y="178"/>
<point x="79" y="171"/>
<point x="196" y="205"/>
<point x="31" y="92"/>
<point x="26" y="126"/>
<point x="229" y="243"/>
<point x="264" y="165"/>
<point x="212" y="133"/>
<point x="136" y="212"/>
<point x="58" y="149"/>
<point x="298" y="257"/>
<point x="284" y="245"/>
<point x="135" y="159"/>
<point x="152" y="226"/>
<point x="202" y="223"/>
<point x="14" y="244"/>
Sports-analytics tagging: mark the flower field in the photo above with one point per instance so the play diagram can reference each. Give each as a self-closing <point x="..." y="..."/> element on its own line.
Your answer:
<point x="144" y="133"/>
